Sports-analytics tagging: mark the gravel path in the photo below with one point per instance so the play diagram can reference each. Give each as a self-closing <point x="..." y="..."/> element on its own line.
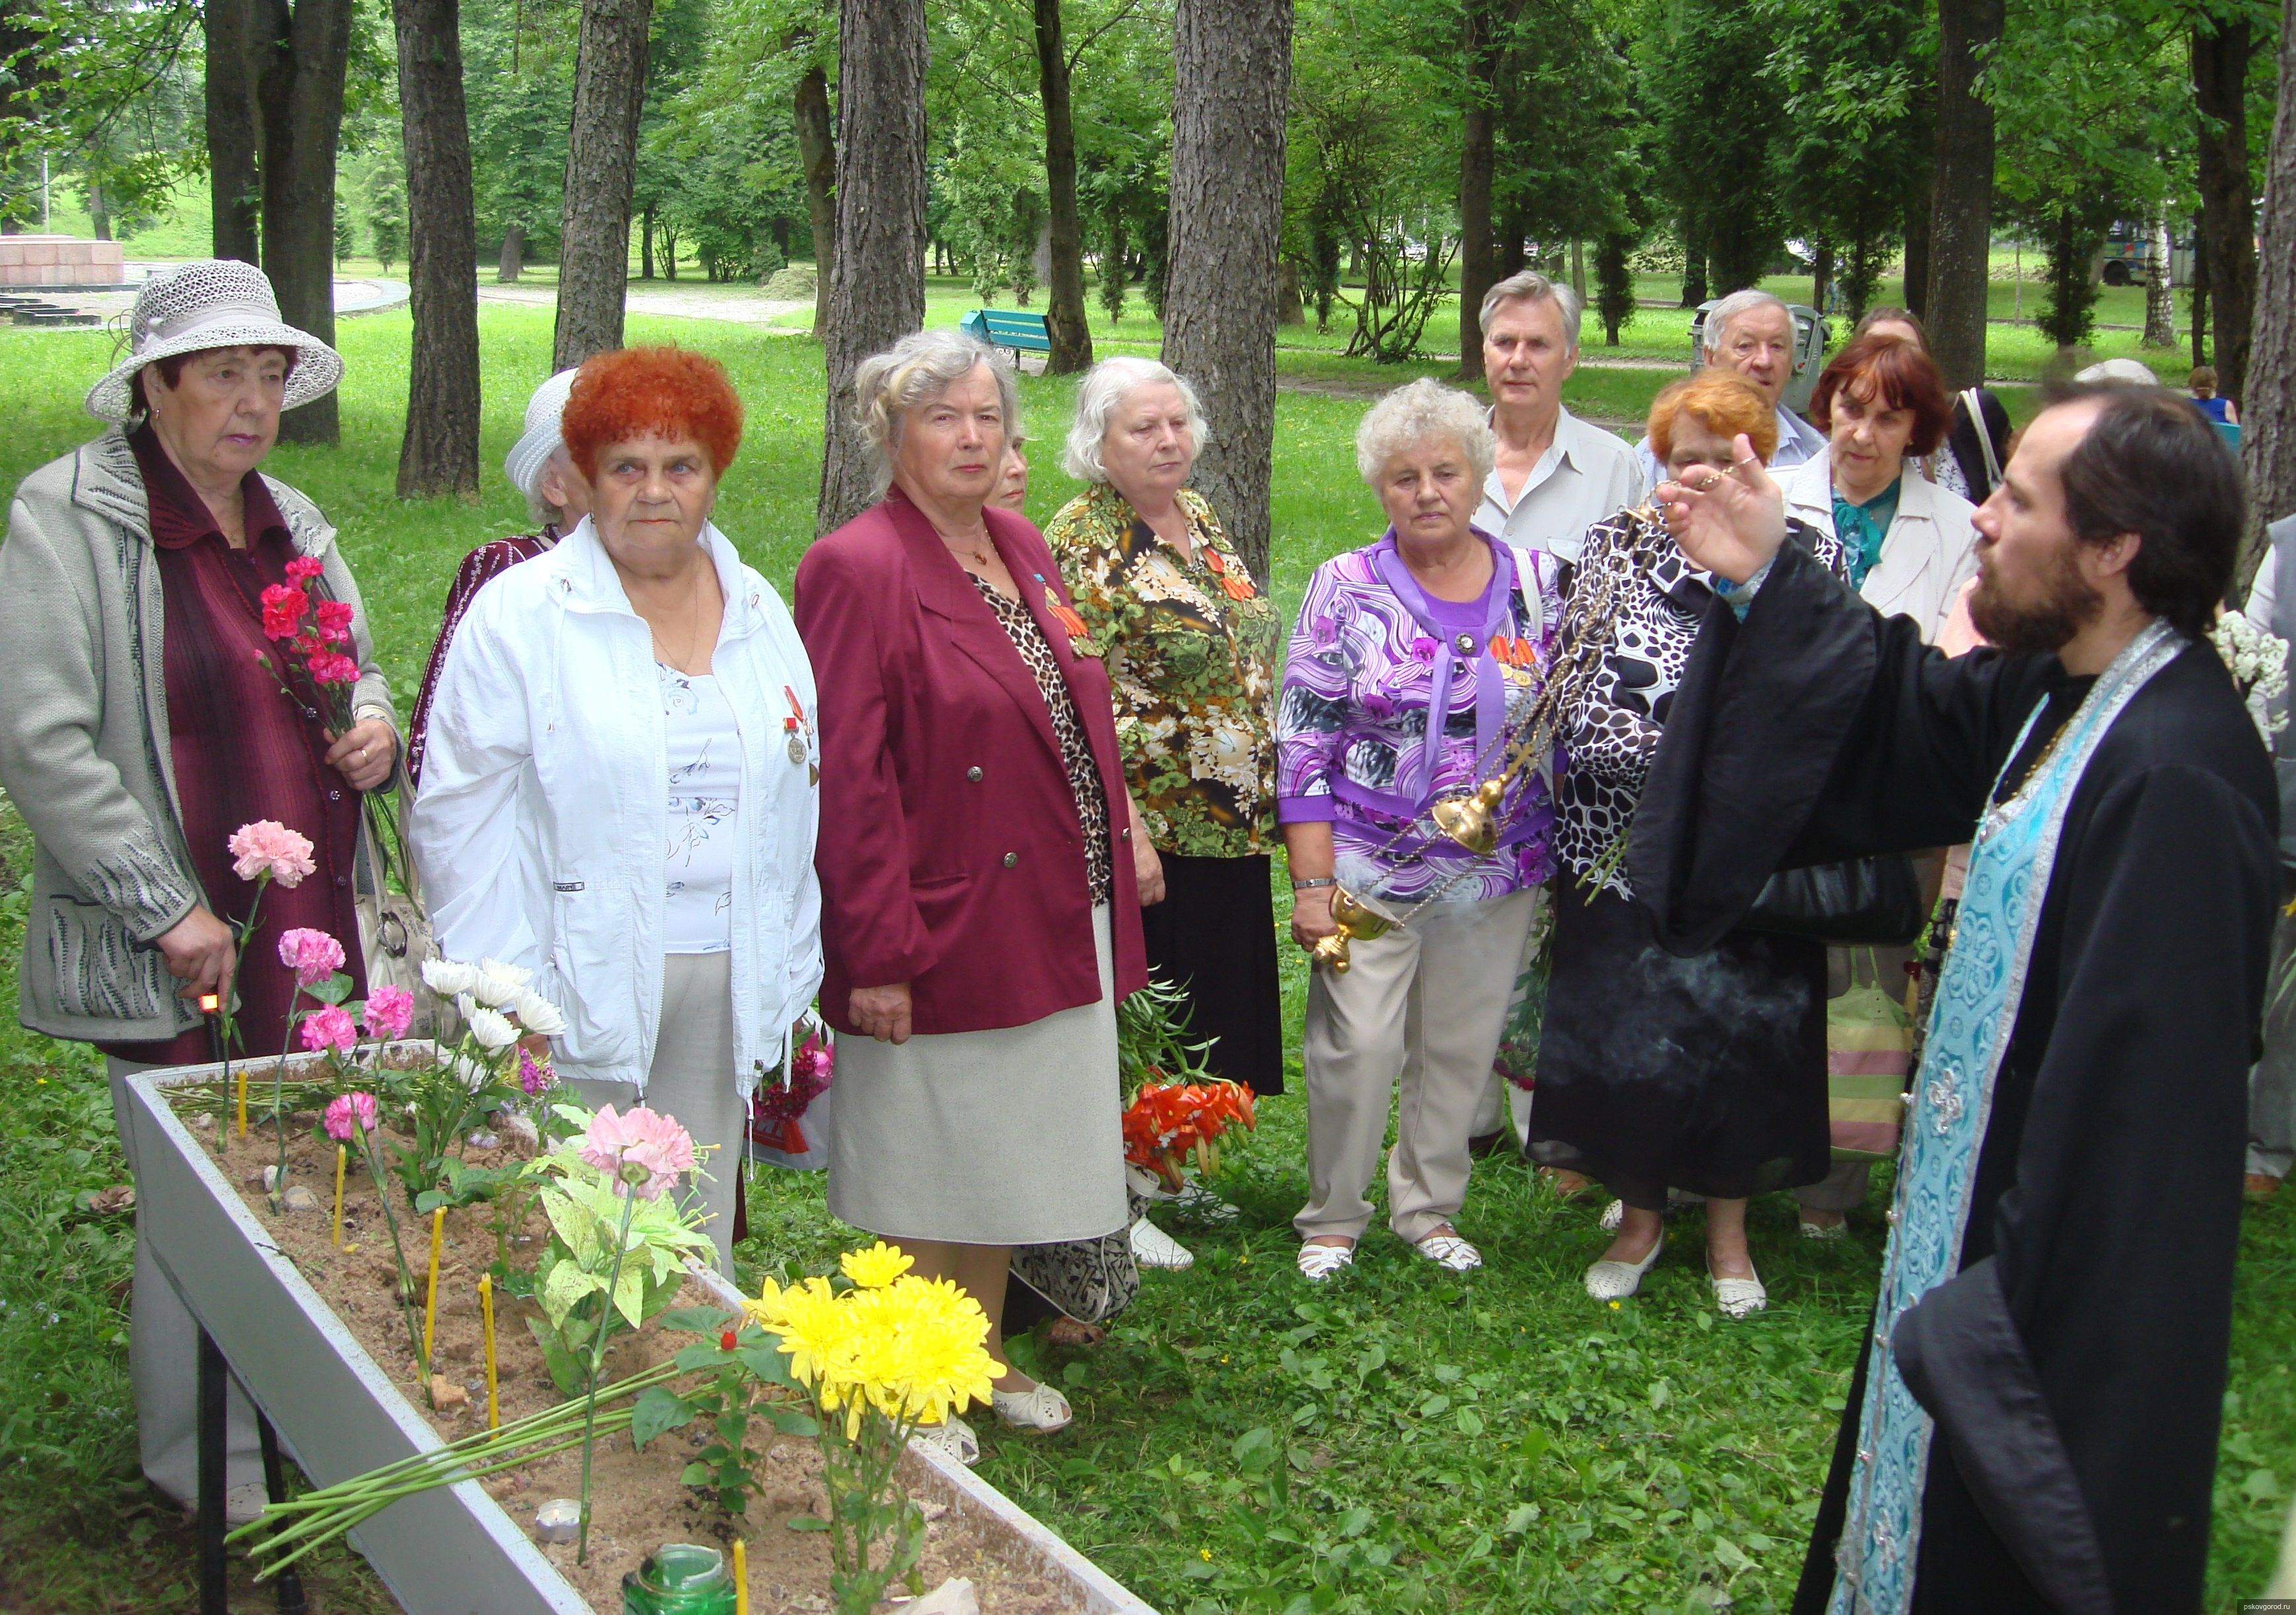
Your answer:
<point x="742" y="306"/>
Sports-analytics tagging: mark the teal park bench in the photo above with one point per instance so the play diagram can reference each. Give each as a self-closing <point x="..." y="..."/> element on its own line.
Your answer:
<point x="1010" y="328"/>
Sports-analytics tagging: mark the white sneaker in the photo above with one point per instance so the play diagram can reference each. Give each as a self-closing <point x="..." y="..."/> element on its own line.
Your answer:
<point x="1152" y="1247"/>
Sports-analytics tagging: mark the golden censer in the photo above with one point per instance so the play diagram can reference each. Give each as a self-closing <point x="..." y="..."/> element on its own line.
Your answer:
<point x="1351" y="917"/>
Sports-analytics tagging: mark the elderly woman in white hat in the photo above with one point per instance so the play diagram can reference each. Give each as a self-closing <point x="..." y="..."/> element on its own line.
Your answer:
<point x="556" y="499"/>
<point x="143" y="726"/>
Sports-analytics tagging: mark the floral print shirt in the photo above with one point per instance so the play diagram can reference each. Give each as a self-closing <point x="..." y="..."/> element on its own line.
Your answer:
<point x="1190" y="650"/>
<point x="1353" y="722"/>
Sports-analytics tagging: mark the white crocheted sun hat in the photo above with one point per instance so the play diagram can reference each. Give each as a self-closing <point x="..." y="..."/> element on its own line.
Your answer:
<point x="527" y="458"/>
<point x="218" y="303"/>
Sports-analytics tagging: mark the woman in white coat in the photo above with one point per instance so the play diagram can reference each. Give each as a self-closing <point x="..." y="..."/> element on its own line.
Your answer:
<point x="620" y="793"/>
<point x="1909" y="541"/>
<point x="1910" y="547"/>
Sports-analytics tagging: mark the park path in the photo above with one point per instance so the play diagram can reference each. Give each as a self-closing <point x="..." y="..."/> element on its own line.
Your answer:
<point x="742" y="306"/>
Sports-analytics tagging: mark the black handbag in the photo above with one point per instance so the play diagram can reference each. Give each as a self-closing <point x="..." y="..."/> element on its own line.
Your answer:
<point x="1868" y="902"/>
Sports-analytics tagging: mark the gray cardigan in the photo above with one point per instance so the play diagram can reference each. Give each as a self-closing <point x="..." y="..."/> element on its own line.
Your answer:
<point x="83" y="750"/>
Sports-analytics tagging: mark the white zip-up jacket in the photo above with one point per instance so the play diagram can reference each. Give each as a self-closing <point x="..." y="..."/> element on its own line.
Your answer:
<point x="1928" y="553"/>
<point x="542" y="827"/>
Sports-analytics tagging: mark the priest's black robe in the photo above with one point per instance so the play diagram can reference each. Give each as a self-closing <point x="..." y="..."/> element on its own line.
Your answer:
<point x="2075" y="1365"/>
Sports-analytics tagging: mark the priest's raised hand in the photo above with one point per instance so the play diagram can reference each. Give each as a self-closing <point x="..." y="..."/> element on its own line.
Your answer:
<point x="1730" y="523"/>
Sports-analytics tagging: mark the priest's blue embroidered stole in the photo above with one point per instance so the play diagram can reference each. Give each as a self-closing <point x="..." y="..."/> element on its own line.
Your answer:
<point x="1978" y="995"/>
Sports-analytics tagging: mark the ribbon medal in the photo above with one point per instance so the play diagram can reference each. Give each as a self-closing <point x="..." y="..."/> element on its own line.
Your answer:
<point x="1079" y="636"/>
<point x="1234" y="584"/>
<point x="800" y="732"/>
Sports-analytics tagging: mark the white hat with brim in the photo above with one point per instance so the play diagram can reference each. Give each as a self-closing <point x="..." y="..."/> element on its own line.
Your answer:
<point x="524" y="462"/>
<point x="218" y="302"/>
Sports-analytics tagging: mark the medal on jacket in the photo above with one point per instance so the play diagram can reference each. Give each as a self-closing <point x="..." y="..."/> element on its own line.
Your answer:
<point x="1079" y="636"/>
<point x="795" y="726"/>
<point x="1233" y="584"/>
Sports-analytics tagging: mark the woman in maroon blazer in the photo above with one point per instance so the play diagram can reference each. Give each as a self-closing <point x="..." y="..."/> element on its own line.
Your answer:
<point x="980" y="860"/>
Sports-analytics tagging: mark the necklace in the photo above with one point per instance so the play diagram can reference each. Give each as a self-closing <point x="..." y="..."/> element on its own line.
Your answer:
<point x="692" y="629"/>
<point x="978" y="551"/>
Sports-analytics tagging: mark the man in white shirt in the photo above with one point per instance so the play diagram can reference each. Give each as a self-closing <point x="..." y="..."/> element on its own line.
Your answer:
<point x="1752" y="333"/>
<point x="1556" y="474"/>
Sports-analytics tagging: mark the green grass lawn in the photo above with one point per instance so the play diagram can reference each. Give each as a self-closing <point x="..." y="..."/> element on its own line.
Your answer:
<point x="1398" y="1440"/>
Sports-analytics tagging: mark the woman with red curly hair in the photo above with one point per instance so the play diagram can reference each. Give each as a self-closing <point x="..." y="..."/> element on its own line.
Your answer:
<point x="637" y="687"/>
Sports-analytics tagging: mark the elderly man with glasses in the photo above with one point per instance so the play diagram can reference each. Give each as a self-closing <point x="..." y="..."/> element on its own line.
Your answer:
<point x="1752" y="333"/>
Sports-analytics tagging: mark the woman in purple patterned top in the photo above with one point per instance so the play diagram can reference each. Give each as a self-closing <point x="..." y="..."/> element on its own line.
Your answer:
<point x="1435" y="615"/>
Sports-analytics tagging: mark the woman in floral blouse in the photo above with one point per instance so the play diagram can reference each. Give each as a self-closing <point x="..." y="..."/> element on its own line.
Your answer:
<point x="1436" y="617"/>
<point x="1189" y="644"/>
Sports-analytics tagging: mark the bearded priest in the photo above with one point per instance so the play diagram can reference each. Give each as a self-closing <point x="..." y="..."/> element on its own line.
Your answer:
<point x="2033" y="1420"/>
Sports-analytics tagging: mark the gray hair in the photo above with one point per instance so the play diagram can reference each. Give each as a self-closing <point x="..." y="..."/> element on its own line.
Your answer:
<point x="917" y="370"/>
<point x="1718" y="317"/>
<point x="1419" y="410"/>
<point x="1106" y="385"/>
<point x="1529" y="286"/>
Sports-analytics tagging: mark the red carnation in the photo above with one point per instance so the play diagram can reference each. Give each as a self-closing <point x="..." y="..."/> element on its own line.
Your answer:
<point x="303" y="567"/>
<point x="328" y="667"/>
<point x="282" y="611"/>
<point x="335" y="619"/>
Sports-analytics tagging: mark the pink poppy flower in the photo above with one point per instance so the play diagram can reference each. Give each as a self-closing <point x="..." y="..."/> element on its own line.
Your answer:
<point x="329" y="1028"/>
<point x="389" y="1011"/>
<point x="349" y="1114"/>
<point x="639" y="1141"/>
<point x="313" y="955"/>
<point x="269" y="847"/>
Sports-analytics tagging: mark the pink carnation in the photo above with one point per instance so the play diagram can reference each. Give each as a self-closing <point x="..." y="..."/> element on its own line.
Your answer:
<point x="641" y="1140"/>
<point x="350" y="1112"/>
<point x="334" y="619"/>
<point x="329" y="667"/>
<point x="389" y="1011"/>
<point x="329" y="1028"/>
<point x="313" y="955"/>
<point x="269" y="847"/>
<point x="303" y="567"/>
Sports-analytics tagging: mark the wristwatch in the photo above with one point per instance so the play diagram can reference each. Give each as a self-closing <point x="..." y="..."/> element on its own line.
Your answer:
<point x="1320" y="880"/>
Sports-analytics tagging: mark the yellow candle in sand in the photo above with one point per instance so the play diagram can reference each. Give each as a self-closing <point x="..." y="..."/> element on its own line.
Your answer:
<point x="243" y="1101"/>
<point x="486" y="1313"/>
<point x="430" y="1295"/>
<point x="343" y="1154"/>
<point x="740" y="1577"/>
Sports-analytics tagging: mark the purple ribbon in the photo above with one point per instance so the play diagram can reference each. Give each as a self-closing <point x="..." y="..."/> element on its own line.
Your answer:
<point x="1491" y="685"/>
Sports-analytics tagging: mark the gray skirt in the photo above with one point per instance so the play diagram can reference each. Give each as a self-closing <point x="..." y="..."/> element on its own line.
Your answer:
<point x="1011" y="1136"/>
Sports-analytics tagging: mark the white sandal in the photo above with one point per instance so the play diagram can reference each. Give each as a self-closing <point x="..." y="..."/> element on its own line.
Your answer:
<point x="1608" y="1280"/>
<point x="1737" y="1297"/>
<point x="1450" y="1251"/>
<point x="1040" y="1408"/>
<point x="1152" y="1247"/>
<point x="1320" y="1262"/>
<point x="951" y="1438"/>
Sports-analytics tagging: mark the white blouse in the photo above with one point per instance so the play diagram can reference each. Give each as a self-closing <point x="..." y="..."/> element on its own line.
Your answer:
<point x="703" y="745"/>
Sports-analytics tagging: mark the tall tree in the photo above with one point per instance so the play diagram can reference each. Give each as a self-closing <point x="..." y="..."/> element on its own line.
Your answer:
<point x="594" y="263"/>
<point x="2268" y="438"/>
<point x="1961" y="216"/>
<point x="1484" y="26"/>
<point x="1064" y="316"/>
<point x="305" y="56"/>
<point x="2222" y="49"/>
<point x="234" y="133"/>
<point x="877" y="268"/>
<point x="817" y="150"/>
<point x="439" y="453"/>
<point x="1231" y="80"/>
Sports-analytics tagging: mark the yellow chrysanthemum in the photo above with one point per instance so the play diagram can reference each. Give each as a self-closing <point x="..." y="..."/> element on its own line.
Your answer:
<point x="767" y="1309"/>
<point x="814" y="1331"/>
<point x="877" y="1266"/>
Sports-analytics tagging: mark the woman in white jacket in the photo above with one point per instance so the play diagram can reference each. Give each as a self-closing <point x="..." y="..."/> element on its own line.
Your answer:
<point x="620" y="788"/>
<point x="1909" y="541"/>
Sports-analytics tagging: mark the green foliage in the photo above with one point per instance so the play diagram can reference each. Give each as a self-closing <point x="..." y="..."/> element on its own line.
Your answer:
<point x="1715" y="111"/>
<point x="386" y="215"/>
<point x="1614" y="297"/>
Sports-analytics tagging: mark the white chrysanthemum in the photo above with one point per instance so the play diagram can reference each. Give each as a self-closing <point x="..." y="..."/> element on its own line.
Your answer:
<point x="513" y="975"/>
<point x="492" y="992"/>
<point x="2258" y="661"/>
<point x="536" y="1013"/>
<point x="492" y="1030"/>
<point x="446" y="976"/>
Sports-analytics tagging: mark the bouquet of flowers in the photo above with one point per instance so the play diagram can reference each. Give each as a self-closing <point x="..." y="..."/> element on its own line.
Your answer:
<point x="776" y="1108"/>
<point x="1168" y="1125"/>
<point x="2258" y="661"/>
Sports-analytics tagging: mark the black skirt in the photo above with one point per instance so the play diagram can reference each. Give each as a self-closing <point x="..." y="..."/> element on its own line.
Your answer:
<point x="1214" y="937"/>
<point x="1706" y="1074"/>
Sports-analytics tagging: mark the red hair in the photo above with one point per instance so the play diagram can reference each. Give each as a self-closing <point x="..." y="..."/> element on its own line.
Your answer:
<point x="634" y="393"/>
<point x="1902" y="376"/>
<point x="1723" y="402"/>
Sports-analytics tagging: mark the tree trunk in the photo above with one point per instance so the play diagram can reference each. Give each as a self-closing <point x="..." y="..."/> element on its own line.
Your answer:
<point x="1917" y="255"/>
<point x="1821" y="275"/>
<point x="593" y="259"/>
<point x="1478" y="159"/>
<point x="1288" y="311"/>
<point x="877" y="273"/>
<point x="439" y="453"/>
<point x="2200" y="294"/>
<point x="646" y="242"/>
<point x="1694" y="263"/>
<point x="816" y="151"/>
<point x="1961" y="212"/>
<point x="99" y="211"/>
<point x="2267" y="439"/>
<point x="2220" y="57"/>
<point x="1579" y="269"/>
<point x="513" y="262"/>
<point x="1231" y="83"/>
<point x="1064" y="316"/>
<point x="2160" y="300"/>
<point x="235" y="129"/>
<point x="301" y="91"/>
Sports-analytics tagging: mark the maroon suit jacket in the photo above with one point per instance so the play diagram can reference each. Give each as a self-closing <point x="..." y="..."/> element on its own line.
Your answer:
<point x="951" y="856"/>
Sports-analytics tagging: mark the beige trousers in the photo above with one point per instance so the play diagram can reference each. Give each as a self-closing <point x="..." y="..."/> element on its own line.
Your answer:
<point x="1426" y="1003"/>
<point x="692" y="1079"/>
<point x="163" y="1362"/>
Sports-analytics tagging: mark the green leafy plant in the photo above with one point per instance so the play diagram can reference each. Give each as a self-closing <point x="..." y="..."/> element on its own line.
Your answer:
<point x="752" y="1380"/>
